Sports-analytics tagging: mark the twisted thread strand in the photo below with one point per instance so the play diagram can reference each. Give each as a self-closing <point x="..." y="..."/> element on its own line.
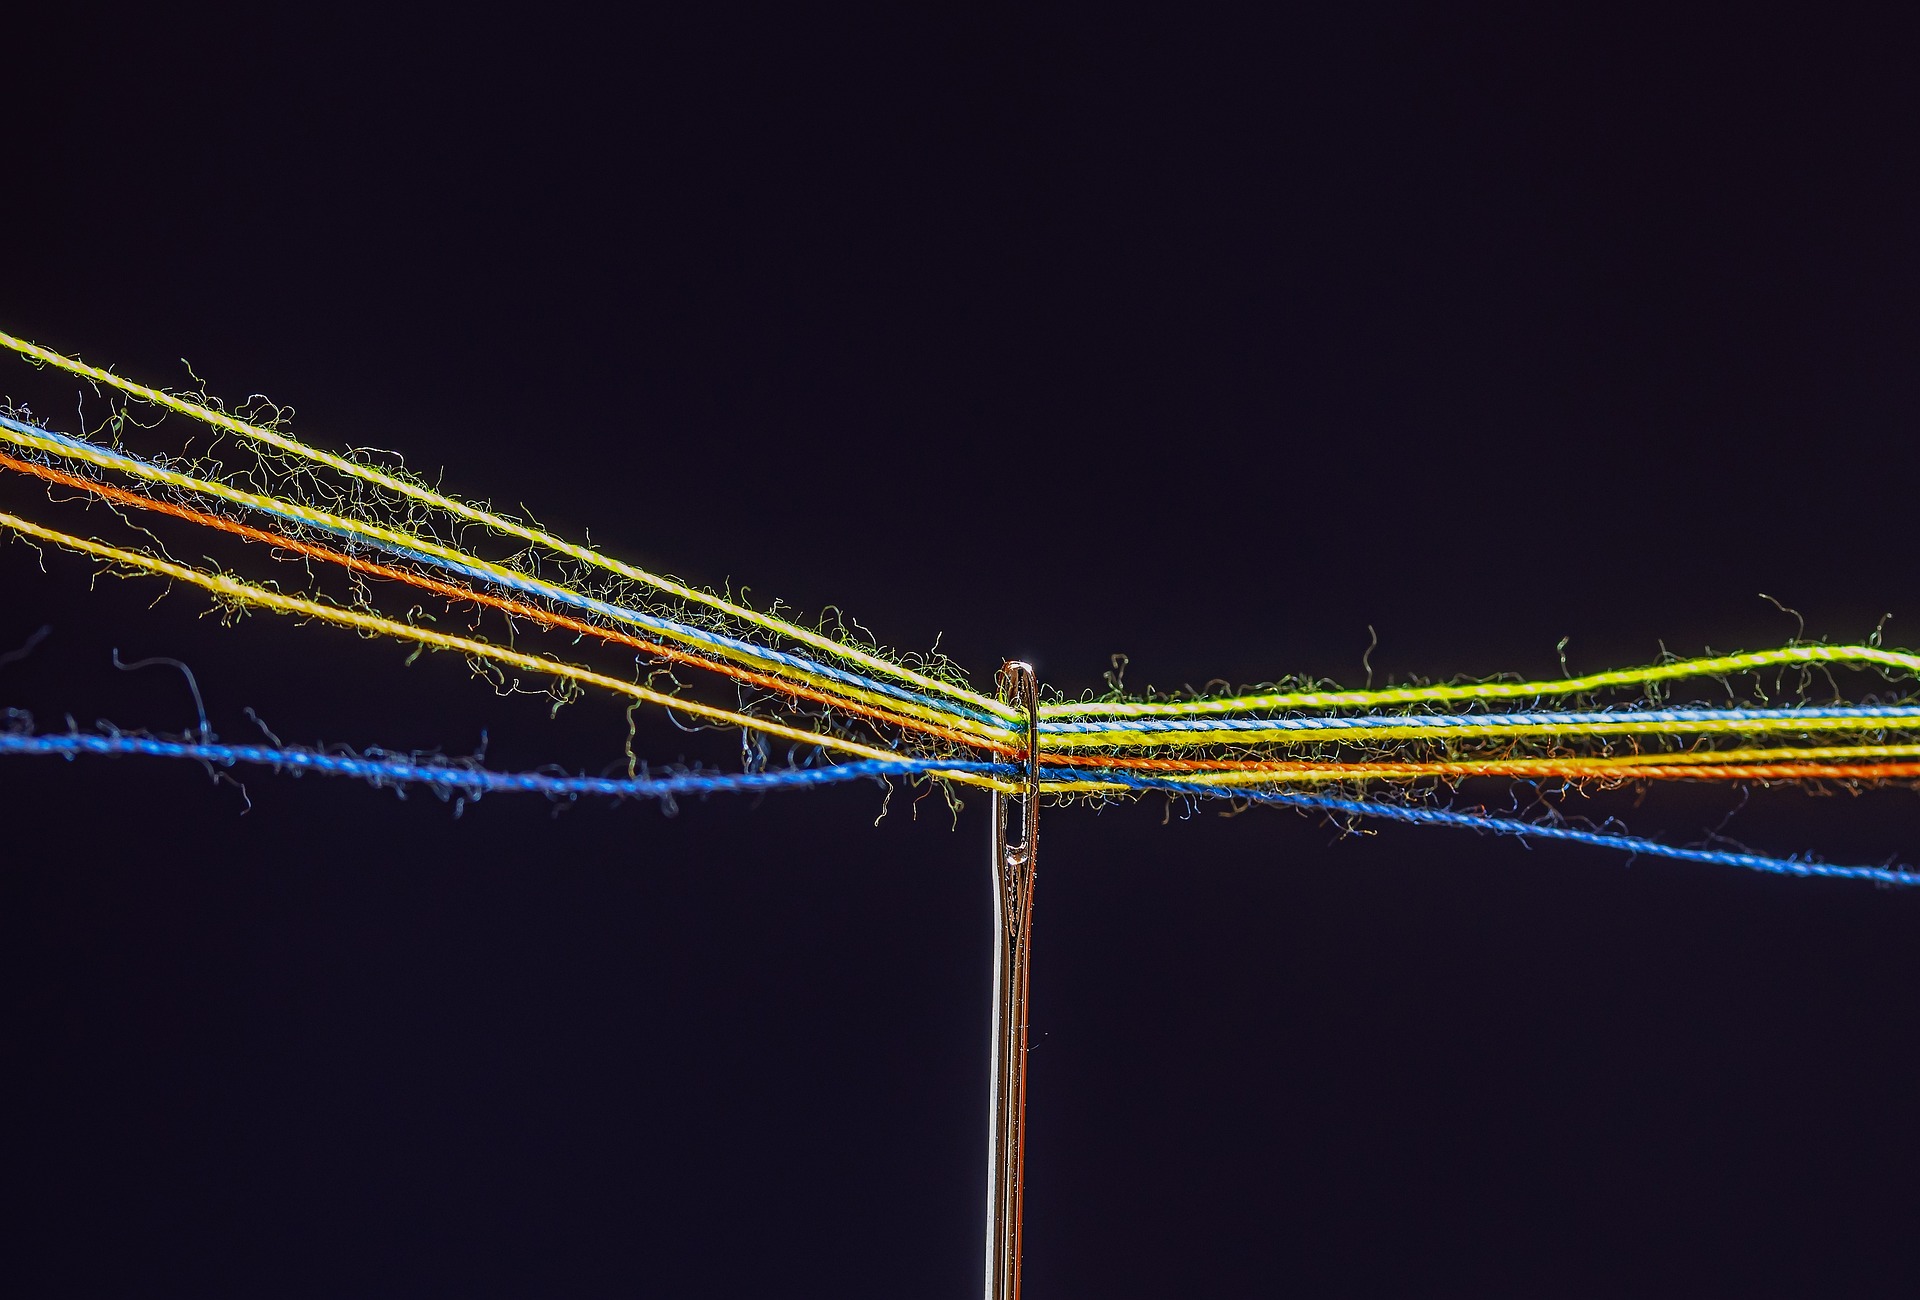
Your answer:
<point x="508" y="527"/>
<point x="473" y="780"/>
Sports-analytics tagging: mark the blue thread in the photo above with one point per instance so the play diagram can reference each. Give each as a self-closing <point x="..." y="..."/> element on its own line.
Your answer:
<point x="1631" y="844"/>
<point x="478" y="780"/>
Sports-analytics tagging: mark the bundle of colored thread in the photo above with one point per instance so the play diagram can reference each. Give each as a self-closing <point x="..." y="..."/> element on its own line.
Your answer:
<point x="350" y="541"/>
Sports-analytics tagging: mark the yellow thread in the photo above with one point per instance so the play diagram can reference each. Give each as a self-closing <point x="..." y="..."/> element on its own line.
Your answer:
<point x="375" y="532"/>
<point x="221" y="420"/>
<point x="1577" y="768"/>
<point x="1475" y="731"/>
<point x="1498" y="690"/>
<point x="1619" y="766"/>
<point x="222" y="585"/>
<point x="1792" y="753"/>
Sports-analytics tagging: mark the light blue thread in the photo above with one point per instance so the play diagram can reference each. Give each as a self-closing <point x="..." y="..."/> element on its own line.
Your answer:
<point x="533" y="586"/>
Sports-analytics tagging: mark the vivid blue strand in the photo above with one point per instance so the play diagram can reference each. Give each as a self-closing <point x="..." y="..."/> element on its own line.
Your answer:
<point x="477" y="780"/>
<point x="535" y="587"/>
<point x="1488" y="822"/>
<point x="459" y="779"/>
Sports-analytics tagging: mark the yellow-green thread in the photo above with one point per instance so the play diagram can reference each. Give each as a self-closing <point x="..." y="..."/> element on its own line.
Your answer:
<point x="486" y="518"/>
<point x="1841" y="654"/>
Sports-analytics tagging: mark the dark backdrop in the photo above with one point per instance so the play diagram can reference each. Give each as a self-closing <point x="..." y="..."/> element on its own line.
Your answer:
<point x="1055" y="337"/>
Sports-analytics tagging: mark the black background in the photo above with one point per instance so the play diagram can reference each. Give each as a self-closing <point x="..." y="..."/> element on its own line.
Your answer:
<point x="1055" y="337"/>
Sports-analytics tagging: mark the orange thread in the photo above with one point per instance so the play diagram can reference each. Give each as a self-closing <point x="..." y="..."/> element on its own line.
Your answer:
<point x="454" y="591"/>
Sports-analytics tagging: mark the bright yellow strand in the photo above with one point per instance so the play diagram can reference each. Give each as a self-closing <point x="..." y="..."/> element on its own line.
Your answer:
<point x="1810" y="654"/>
<point x="376" y="532"/>
<point x="1787" y="754"/>
<point x="222" y="585"/>
<point x="1620" y="767"/>
<point x="221" y="420"/>
<point x="1626" y="725"/>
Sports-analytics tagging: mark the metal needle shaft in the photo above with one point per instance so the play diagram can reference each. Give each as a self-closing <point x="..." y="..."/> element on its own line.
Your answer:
<point x="1013" y="877"/>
